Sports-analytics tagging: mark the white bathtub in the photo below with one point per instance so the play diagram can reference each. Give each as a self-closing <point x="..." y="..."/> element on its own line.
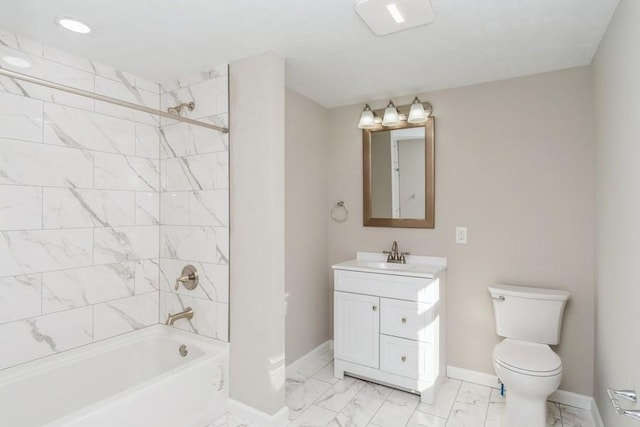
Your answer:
<point x="138" y="379"/>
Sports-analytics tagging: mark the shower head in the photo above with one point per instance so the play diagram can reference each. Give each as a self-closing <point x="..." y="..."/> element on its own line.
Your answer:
<point x="178" y="108"/>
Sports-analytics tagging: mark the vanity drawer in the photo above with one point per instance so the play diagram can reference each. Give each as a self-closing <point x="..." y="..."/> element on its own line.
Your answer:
<point x="387" y="285"/>
<point x="407" y="319"/>
<point x="407" y="358"/>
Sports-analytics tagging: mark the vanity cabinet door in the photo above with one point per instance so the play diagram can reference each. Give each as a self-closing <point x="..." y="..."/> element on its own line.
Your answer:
<point x="357" y="328"/>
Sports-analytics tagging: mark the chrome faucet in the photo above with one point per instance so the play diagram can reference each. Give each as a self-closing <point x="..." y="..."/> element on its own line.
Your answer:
<point x="186" y="314"/>
<point x="394" y="255"/>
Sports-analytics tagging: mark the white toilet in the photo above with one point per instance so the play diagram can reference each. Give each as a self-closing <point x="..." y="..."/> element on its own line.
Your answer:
<point x="529" y="319"/>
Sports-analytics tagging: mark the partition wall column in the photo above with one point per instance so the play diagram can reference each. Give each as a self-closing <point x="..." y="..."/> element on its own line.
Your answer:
<point x="257" y="188"/>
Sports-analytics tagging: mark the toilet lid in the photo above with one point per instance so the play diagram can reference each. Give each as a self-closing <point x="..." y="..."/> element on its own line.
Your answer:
<point x="528" y="358"/>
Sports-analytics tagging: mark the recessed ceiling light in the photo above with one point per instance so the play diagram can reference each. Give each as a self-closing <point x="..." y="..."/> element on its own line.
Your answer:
<point x="390" y="16"/>
<point x="395" y="13"/>
<point x="74" y="25"/>
<point x="16" y="61"/>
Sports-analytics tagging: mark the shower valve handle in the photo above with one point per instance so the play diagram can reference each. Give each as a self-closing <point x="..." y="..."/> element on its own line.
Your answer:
<point x="185" y="278"/>
<point x="189" y="278"/>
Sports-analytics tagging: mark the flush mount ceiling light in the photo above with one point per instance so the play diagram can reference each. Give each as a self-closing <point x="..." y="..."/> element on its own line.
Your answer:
<point x="74" y="25"/>
<point x="417" y="113"/>
<point x="16" y="61"/>
<point x="390" y="16"/>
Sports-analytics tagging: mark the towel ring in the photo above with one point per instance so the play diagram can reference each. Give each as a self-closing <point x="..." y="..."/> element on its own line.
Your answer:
<point x="339" y="212"/>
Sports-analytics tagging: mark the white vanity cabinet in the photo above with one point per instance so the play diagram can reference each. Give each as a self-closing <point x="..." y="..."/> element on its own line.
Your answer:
<point x="389" y="322"/>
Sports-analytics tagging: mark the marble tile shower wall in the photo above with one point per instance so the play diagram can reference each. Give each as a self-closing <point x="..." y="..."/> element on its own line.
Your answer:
<point x="79" y="206"/>
<point x="194" y="203"/>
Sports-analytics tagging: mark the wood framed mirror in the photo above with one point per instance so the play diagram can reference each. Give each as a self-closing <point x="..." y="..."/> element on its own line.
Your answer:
<point x="399" y="176"/>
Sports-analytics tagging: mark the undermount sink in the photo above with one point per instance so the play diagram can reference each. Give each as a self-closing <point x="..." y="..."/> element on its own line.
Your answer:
<point x="390" y="266"/>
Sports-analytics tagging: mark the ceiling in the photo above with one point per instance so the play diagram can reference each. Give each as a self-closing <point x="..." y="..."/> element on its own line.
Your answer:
<point x="331" y="56"/>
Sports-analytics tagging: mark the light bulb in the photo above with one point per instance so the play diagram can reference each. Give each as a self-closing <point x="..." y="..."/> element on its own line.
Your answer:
<point x="367" y="118"/>
<point x="417" y="113"/>
<point x="391" y="116"/>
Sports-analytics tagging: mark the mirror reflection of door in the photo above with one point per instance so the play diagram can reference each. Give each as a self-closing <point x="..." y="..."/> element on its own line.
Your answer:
<point x="410" y="191"/>
<point x="398" y="170"/>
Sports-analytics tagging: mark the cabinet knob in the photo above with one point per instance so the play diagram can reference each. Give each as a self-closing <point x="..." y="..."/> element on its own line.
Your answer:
<point x="374" y="308"/>
<point x="404" y="320"/>
<point x="403" y="358"/>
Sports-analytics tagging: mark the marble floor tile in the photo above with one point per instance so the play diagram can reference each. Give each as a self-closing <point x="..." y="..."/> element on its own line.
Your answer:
<point x="294" y="381"/>
<point x="305" y="396"/>
<point x="314" y="416"/>
<point x="316" y="398"/>
<point x="361" y="409"/>
<point x="397" y="409"/>
<point x="337" y="397"/>
<point x="445" y="398"/>
<point x="575" y="417"/>
<point x="230" y="420"/>
<point x="496" y="409"/>
<point x="314" y="367"/>
<point x="553" y="415"/>
<point x="420" y="419"/>
<point x="470" y="407"/>
<point x="326" y="374"/>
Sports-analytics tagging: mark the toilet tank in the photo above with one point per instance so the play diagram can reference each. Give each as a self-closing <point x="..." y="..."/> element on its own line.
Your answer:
<point x="528" y="314"/>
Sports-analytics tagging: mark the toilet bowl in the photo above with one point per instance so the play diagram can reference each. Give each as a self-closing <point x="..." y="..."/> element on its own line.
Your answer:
<point x="530" y="373"/>
<point x="529" y="319"/>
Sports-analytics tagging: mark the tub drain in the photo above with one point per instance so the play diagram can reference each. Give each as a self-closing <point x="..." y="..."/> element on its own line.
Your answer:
<point x="183" y="350"/>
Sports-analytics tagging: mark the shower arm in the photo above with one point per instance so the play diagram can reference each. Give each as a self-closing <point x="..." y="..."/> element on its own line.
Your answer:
<point x="178" y="108"/>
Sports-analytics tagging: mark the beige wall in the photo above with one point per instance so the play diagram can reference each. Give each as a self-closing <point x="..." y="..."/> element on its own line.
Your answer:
<point x="307" y="279"/>
<point x="515" y="164"/>
<point x="617" y="86"/>
<point x="257" y="232"/>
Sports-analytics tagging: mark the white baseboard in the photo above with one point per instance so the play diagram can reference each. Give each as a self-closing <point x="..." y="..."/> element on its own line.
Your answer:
<point x="559" y="396"/>
<point x="303" y="361"/>
<point x="572" y="399"/>
<point x="472" y="376"/>
<point x="597" y="419"/>
<point x="256" y="417"/>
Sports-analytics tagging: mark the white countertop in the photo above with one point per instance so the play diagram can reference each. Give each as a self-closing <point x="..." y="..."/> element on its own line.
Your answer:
<point x="374" y="262"/>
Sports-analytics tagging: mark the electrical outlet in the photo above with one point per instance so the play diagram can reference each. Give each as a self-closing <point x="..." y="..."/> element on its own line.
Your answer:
<point x="461" y="235"/>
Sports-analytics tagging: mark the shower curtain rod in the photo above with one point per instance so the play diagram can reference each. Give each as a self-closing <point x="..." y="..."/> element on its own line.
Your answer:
<point x="110" y="100"/>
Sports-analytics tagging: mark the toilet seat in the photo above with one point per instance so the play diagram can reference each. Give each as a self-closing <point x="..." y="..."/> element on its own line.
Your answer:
<point x="527" y="358"/>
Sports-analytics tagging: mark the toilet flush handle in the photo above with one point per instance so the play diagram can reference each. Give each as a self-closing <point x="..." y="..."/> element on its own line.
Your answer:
<point x="498" y="298"/>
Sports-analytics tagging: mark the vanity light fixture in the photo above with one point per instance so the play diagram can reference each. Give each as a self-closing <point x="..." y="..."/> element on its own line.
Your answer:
<point x="417" y="112"/>
<point x="367" y="118"/>
<point x="74" y="25"/>
<point x="391" y="116"/>
<point x="16" y="61"/>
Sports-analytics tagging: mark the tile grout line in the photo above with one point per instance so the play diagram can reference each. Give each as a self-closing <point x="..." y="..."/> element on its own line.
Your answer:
<point x="455" y="399"/>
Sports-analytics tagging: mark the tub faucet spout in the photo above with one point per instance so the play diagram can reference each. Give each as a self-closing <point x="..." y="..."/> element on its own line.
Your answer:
<point x="186" y="314"/>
